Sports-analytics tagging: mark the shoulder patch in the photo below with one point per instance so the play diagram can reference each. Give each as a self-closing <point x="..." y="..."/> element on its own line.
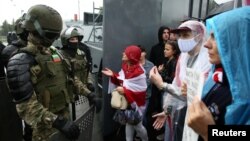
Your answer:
<point x="56" y="58"/>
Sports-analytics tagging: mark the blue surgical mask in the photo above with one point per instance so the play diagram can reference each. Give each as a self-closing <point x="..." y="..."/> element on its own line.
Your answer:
<point x="187" y="45"/>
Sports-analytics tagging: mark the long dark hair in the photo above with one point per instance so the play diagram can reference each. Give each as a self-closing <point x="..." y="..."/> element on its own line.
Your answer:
<point x="175" y="48"/>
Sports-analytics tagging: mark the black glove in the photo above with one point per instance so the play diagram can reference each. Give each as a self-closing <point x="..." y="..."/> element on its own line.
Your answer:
<point x="93" y="100"/>
<point x="68" y="128"/>
<point x="91" y="87"/>
<point x="91" y="97"/>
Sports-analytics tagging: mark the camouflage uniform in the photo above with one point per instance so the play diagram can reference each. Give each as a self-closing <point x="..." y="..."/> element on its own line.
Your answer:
<point x="38" y="78"/>
<point x="76" y="60"/>
<point x="50" y="97"/>
<point x="81" y="75"/>
<point x="54" y="89"/>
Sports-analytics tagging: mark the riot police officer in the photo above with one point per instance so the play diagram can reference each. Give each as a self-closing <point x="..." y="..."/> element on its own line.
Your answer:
<point x="16" y="44"/>
<point x="38" y="80"/>
<point x="14" y="122"/>
<point x="77" y="61"/>
<point x="85" y="48"/>
<point x="12" y="36"/>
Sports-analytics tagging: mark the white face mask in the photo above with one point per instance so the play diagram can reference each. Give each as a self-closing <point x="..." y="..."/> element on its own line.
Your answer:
<point x="187" y="45"/>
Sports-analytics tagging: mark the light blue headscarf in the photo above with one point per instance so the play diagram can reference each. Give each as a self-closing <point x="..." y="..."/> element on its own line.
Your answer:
<point x="232" y="34"/>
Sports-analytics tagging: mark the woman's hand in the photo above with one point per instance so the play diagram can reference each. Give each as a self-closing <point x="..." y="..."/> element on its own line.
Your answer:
<point x="120" y="89"/>
<point x="184" y="88"/>
<point x="107" y="72"/>
<point x="160" y="120"/>
<point x="160" y="68"/>
<point x="155" y="77"/>
<point x="199" y="117"/>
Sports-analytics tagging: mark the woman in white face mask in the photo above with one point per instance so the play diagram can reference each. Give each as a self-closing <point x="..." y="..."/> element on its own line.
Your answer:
<point x="193" y="55"/>
<point x="187" y="41"/>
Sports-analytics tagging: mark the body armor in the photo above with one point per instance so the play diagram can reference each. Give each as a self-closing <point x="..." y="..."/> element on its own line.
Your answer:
<point x="52" y="82"/>
<point x="19" y="78"/>
<point x="77" y="65"/>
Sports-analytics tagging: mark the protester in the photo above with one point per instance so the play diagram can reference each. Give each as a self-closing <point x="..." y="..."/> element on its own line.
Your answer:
<point x="131" y="82"/>
<point x="190" y="40"/>
<point x="157" y="57"/>
<point x="228" y="48"/>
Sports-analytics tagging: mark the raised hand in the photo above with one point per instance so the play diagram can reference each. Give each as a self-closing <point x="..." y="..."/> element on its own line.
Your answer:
<point x="107" y="72"/>
<point x="155" y="77"/>
<point x="199" y="117"/>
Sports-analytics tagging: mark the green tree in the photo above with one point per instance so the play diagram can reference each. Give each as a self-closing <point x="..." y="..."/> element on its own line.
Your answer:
<point x="6" y="27"/>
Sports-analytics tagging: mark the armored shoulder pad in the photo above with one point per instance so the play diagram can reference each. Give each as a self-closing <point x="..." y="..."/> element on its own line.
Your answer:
<point x="7" y="52"/>
<point x="19" y="77"/>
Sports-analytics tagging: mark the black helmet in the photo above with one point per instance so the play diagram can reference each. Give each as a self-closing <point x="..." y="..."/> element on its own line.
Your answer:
<point x="68" y="33"/>
<point x="45" y="21"/>
<point x="14" y="36"/>
<point x="20" y="29"/>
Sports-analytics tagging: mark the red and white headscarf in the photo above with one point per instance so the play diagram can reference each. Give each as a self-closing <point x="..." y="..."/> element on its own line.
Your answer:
<point x="132" y="77"/>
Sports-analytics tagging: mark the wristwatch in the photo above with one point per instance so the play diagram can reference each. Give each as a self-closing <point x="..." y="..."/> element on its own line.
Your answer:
<point x="168" y="111"/>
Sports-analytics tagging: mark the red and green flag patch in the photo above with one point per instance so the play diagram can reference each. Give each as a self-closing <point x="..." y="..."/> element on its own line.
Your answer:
<point x="56" y="58"/>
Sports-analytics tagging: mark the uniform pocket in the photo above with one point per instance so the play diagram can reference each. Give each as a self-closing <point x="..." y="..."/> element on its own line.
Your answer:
<point x="80" y="65"/>
<point x="35" y="71"/>
<point x="50" y="69"/>
<point x="59" y="98"/>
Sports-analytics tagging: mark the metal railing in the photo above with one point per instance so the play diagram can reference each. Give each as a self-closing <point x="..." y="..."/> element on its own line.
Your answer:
<point x="94" y="21"/>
